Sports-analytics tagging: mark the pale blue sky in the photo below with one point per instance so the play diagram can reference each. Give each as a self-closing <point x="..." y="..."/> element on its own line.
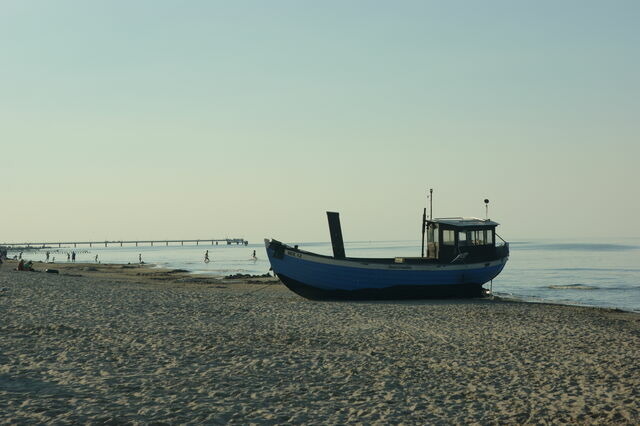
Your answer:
<point x="195" y="119"/>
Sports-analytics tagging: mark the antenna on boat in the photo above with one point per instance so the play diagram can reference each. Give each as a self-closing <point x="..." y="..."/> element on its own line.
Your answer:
<point x="424" y="225"/>
<point x="431" y="203"/>
<point x="486" y="208"/>
<point x="424" y="217"/>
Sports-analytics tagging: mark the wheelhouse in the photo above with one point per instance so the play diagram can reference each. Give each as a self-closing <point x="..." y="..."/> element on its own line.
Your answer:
<point x="462" y="239"/>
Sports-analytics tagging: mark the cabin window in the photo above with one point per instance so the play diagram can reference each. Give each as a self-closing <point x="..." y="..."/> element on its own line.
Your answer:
<point x="481" y="237"/>
<point x="478" y="238"/>
<point x="432" y="241"/>
<point x="448" y="237"/>
<point x="462" y="238"/>
<point x="432" y="233"/>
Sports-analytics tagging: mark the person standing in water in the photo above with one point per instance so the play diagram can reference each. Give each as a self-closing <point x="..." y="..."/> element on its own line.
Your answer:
<point x="140" y="258"/>
<point x="206" y="256"/>
<point x="253" y="256"/>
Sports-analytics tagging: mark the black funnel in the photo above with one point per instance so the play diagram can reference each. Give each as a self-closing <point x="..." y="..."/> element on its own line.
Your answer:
<point x="336" y="235"/>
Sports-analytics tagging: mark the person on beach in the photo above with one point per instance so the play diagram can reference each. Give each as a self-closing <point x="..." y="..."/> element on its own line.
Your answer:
<point x="47" y="260"/>
<point x="140" y="258"/>
<point x="73" y="256"/>
<point x="22" y="266"/>
<point x="20" y="255"/>
<point x="206" y="256"/>
<point x="96" y="258"/>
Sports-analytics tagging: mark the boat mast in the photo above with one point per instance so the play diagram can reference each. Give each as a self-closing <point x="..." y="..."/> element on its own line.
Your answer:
<point x="424" y="217"/>
<point x="431" y="204"/>
<point x="424" y="226"/>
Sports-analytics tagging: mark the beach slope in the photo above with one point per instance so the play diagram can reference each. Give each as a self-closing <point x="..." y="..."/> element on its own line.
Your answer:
<point x="123" y="343"/>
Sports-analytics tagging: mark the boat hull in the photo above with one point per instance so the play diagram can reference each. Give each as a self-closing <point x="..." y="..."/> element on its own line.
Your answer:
<point x="322" y="277"/>
<point x="393" y="292"/>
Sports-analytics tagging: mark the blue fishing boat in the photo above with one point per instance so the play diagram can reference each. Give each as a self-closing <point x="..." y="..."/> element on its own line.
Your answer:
<point x="461" y="255"/>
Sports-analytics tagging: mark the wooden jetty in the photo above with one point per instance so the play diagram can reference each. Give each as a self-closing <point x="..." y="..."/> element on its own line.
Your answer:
<point x="213" y="241"/>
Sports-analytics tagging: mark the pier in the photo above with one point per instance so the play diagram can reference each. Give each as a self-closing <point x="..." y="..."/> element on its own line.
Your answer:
<point x="59" y="244"/>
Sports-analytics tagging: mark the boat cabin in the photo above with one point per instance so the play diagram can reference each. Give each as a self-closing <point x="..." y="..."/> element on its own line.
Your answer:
<point x="461" y="239"/>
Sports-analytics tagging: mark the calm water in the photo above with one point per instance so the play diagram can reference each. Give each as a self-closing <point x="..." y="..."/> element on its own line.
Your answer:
<point x="595" y="273"/>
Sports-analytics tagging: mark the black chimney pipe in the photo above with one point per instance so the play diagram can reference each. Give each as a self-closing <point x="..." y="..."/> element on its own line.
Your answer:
<point x="336" y="235"/>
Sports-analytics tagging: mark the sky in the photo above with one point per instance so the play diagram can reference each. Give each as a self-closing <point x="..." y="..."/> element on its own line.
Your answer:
<point x="152" y="119"/>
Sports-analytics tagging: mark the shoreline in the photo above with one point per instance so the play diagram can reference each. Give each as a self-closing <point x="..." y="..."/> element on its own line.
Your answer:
<point x="539" y="301"/>
<point x="145" y="273"/>
<point x="140" y="345"/>
<point x="152" y="272"/>
<point x="604" y="285"/>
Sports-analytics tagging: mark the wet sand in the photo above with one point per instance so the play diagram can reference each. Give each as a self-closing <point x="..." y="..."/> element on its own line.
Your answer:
<point x="124" y="343"/>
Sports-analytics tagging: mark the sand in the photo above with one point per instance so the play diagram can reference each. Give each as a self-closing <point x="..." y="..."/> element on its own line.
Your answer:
<point x="113" y="344"/>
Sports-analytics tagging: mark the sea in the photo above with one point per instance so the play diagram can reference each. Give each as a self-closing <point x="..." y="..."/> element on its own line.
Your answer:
<point x="602" y="273"/>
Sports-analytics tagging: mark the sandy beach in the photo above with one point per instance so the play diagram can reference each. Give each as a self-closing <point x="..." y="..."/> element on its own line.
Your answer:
<point x="131" y="344"/>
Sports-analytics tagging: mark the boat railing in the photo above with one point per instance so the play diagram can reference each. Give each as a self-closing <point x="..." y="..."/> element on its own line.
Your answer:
<point x="502" y="251"/>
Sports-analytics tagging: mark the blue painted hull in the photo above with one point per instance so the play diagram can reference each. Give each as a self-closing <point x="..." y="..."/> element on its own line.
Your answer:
<point x="323" y="277"/>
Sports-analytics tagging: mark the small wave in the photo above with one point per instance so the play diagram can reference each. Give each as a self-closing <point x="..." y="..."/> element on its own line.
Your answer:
<point x="579" y="247"/>
<point x="595" y="269"/>
<point x="572" y="287"/>
<point x="632" y="288"/>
